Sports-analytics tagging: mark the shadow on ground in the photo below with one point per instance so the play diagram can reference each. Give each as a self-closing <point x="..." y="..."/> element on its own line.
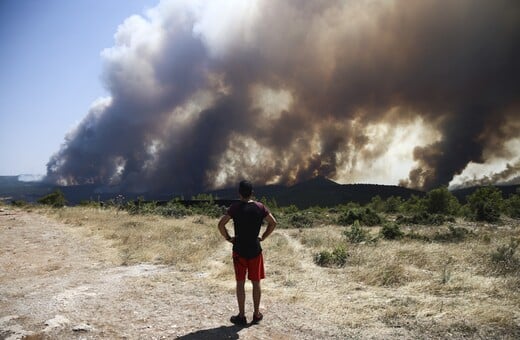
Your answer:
<point x="222" y="332"/>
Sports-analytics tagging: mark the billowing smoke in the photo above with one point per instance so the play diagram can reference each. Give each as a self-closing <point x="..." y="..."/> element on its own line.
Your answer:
<point x="205" y="93"/>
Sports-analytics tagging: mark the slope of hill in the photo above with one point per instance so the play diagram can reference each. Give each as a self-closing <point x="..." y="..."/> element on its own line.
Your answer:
<point x="321" y="191"/>
<point x="318" y="191"/>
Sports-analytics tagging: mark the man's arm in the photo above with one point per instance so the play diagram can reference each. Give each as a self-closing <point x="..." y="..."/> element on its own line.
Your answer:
<point x="271" y="224"/>
<point x="222" y="228"/>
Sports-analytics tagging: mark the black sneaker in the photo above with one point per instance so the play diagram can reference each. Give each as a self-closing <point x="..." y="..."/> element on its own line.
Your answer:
<point x="257" y="319"/>
<point x="238" y="320"/>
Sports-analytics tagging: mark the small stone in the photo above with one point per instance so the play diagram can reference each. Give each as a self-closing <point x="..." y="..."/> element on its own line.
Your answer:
<point x="83" y="327"/>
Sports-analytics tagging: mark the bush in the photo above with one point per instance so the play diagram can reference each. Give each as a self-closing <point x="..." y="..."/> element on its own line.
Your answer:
<point x="173" y="209"/>
<point x="364" y="216"/>
<point x="504" y="258"/>
<point x="513" y="206"/>
<point x="300" y="220"/>
<point x="209" y="209"/>
<point x="485" y="204"/>
<point x="19" y="203"/>
<point x="90" y="204"/>
<point x="414" y="205"/>
<point x="441" y="201"/>
<point x="139" y="207"/>
<point x="56" y="199"/>
<point x="336" y="258"/>
<point x="392" y="204"/>
<point x="391" y="231"/>
<point x="454" y="234"/>
<point x="356" y="234"/>
<point x="377" y="204"/>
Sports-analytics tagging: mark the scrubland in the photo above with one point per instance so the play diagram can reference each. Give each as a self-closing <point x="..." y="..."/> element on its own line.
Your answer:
<point x="460" y="279"/>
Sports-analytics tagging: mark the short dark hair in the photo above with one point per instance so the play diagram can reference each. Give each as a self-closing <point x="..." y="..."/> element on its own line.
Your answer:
<point x="245" y="189"/>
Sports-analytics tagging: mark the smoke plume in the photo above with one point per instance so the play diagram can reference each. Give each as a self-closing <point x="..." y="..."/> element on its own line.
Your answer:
<point x="206" y="93"/>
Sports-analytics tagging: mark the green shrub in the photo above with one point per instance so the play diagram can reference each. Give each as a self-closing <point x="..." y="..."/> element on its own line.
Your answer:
<point x="139" y="207"/>
<point x="173" y="209"/>
<point x="365" y="216"/>
<point x="441" y="201"/>
<point x="56" y="199"/>
<point x="513" y="206"/>
<point x="336" y="258"/>
<point x="391" y="231"/>
<point x="90" y="203"/>
<point x="356" y="234"/>
<point x="485" y="204"/>
<point x="209" y="209"/>
<point x="392" y="204"/>
<point x="377" y="204"/>
<point x="414" y="205"/>
<point x="301" y="220"/>
<point x="453" y="234"/>
<point x="19" y="203"/>
<point x="504" y="258"/>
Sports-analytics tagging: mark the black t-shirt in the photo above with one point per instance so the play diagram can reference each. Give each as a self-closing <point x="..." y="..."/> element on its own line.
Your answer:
<point x="247" y="219"/>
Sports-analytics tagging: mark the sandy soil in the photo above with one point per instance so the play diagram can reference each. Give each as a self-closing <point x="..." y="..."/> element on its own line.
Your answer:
<point x="58" y="281"/>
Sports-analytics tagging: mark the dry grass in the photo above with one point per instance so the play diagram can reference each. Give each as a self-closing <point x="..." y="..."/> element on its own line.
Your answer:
<point x="436" y="288"/>
<point x="181" y="242"/>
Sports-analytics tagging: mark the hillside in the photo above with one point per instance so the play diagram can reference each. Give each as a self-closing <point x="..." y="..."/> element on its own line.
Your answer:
<point x="318" y="191"/>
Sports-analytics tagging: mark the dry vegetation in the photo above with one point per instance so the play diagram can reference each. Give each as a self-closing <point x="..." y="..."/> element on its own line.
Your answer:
<point x="414" y="287"/>
<point x="431" y="289"/>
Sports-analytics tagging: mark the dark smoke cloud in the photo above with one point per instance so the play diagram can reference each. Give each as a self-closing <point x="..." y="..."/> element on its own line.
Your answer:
<point x="184" y="82"/>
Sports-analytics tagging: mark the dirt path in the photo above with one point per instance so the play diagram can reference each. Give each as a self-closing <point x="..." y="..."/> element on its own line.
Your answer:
<point x="58" y="281"/>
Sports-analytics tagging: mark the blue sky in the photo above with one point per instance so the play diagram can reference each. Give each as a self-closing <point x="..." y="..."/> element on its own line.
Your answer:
<point x="51" y="72"/>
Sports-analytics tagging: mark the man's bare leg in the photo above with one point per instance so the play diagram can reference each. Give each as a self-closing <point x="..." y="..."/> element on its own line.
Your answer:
<point x="257" y="294"/>
<point x="241" y="297"/>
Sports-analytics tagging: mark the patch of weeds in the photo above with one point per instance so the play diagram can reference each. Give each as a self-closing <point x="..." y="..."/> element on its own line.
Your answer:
<point x="365" y="216"/>
<point x="208" y="209"/>
<point x="356" y="234"/>
<point x="504" y="259"/>
<point x="173" y="209"/>
<point x="454" y="234"/>
<point x="335" y="258"/>
<point x="446" y="271"/>
<point x="424" y="218"/>
<point x="19" y="203"/>
<point x="391" y="275"/>
<point x="139" y="207"/>
<point x="90" y="204"/>
<point x="300" y="220"/>
<point x="391" y="231"/>
<point x="413" y="235"/>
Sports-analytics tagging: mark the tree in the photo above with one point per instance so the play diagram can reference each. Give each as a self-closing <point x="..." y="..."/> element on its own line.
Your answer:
<point x="486" y="203"/>
<point x="441" y="201"/>
<point x="55" y="199"/>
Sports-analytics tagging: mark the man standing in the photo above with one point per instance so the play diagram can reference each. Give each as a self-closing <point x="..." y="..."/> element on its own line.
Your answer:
<point x="247" y="216"/>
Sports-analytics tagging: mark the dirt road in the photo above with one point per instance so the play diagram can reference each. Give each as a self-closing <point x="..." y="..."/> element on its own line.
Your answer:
<point x="58" y="281"/>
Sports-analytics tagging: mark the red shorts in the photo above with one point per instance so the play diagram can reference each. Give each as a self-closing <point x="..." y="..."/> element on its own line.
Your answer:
<point x="254" y="267"/>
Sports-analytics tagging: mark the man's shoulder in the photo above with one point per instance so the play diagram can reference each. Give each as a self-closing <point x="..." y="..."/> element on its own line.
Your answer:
<point x="262" y="207"/>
